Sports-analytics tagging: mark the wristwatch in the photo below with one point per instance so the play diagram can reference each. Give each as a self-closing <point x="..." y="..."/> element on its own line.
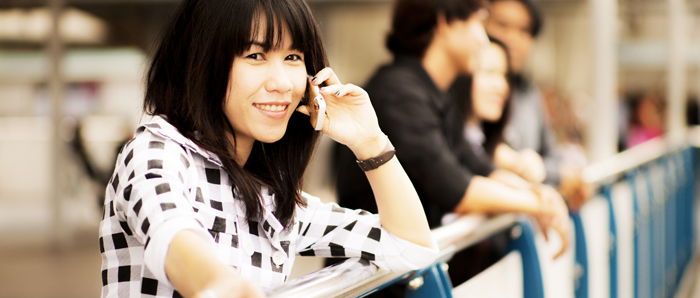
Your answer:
<point x="377" y="161"/>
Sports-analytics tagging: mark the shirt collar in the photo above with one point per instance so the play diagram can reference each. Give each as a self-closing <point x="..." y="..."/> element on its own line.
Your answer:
<point x="161" y="127"/>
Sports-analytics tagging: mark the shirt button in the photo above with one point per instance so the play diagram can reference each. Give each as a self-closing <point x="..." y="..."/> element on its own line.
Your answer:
<point x="279" y="258"/>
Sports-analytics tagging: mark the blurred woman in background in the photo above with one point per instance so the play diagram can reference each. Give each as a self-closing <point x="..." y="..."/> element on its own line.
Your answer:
<point x="484" y="97"/>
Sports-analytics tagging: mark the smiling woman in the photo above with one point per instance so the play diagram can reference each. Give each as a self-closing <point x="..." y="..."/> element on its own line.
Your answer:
<point x="210" y="84"/>
<point x="206" y="199"/>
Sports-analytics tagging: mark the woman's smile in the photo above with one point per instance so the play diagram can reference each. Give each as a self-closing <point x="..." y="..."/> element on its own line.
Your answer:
<point x="275" y="110"/>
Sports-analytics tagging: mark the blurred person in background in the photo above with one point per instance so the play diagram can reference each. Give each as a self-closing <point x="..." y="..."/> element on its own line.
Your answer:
<point x="485" y="99"/>
<point x="646" y="118"/>
<point x="517" y="23"/>
<point x="206" y="199"/>
<point x="484" y="96"/>
<point x="433" y="43"/>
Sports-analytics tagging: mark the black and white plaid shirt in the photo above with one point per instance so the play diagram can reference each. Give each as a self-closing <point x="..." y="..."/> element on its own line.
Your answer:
<point x="164" y="183"/>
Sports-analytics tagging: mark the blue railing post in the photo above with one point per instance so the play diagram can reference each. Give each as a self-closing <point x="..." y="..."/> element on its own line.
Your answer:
<point x="652" y="234"/>
<point x="606" y="192"/>
<point x="524" y="242"/>
<point x="431" y="282"/>
<point x="674" y="178"/>
<point x="636" y="230"/>
<point x="581" y="258"/>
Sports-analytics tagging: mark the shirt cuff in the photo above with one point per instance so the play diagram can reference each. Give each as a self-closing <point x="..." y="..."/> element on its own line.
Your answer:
<point x="403" y="255"/>
<point x="157" y="250"/>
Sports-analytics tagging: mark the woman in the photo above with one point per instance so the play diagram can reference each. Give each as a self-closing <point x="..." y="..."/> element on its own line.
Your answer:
<point x="504" y="179"/>
<point x="205" y="200"/>
<point x="486" y="115"/>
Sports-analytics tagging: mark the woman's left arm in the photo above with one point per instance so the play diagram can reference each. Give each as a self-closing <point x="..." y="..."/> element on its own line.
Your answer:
<point x="351" y="120"/>
<point x="400" y="209"/>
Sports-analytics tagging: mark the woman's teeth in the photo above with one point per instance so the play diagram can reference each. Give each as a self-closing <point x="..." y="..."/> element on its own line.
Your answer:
<point x="271" y="108"/>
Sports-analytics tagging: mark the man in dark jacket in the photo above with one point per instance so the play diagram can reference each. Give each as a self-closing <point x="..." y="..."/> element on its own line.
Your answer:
<point x="432" y="43"/>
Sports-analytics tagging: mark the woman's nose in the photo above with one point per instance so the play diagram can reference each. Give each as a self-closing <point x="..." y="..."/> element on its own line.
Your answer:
<point x="278" y="79"/>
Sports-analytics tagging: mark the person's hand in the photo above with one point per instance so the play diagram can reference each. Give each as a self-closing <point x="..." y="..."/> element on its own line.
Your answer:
<point x="350" y="118"/>
<point x="553" y="214"/>
<point x="575" y="189"/>
<point x="530" y="166"/>
<point x="231" y="285"/>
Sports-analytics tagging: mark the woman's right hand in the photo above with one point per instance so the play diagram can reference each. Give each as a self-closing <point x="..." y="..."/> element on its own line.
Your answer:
<point x="350" y="118"/>
<point x="195" y="271"/>
<point x="555" y="215"/>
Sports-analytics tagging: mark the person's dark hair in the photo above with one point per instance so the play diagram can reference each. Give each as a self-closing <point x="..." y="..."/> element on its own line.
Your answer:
<point x="493" y="131"/>
<point x="414" y="21"/>
<point x="535" y="15"/>
<point x="189" y="77"/>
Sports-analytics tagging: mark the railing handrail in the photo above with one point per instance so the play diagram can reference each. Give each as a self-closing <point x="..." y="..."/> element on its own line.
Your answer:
<point x="612" y="167"/>
<point x="353" y="278"/>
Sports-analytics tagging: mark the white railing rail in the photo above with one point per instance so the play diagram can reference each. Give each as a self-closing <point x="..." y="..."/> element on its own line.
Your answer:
<point x="353" y="278"/>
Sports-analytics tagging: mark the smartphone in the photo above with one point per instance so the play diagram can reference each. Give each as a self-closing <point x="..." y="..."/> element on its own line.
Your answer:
<point x="317" y="107"/>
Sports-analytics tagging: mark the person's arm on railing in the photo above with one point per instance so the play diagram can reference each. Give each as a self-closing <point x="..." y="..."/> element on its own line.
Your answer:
<point x="399" y="207"/>
<point x="525" y="163"/>
<point x="192" y="266"/>
<point x="488" y="195"/>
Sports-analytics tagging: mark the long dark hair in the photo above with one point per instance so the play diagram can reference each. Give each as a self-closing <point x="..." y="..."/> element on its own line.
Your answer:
<point x="414" y="21"/>
<point x="462" y="90"/>
<point x="188" y="79"/>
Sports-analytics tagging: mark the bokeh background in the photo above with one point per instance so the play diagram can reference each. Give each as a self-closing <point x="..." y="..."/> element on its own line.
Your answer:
<point x="71" y="88"/>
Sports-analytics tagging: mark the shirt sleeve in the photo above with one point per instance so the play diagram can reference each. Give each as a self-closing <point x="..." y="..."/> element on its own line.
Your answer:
<point x="414" y="126"/>
<point x="151" y="196"/>
<point x="327" y="230"/>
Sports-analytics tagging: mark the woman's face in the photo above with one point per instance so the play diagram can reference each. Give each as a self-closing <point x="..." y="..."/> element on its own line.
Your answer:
<point x="490" y="87"/>
<point x="265" y="88"/>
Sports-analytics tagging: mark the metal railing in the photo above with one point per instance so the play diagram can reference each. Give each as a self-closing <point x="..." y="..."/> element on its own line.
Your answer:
<point x="355" y="278"/>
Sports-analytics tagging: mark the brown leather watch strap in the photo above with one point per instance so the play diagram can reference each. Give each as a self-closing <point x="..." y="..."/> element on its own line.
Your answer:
<point x="379" y="160"/>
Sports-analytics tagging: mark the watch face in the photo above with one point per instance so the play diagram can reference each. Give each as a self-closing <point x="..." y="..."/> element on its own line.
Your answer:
<point x="317" y="107"/>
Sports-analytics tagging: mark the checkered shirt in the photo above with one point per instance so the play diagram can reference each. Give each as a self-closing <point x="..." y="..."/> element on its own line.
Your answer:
<point x="164" y="183"/>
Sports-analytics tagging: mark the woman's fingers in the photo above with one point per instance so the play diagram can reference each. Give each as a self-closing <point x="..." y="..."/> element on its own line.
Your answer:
<point x="343" y="90"/>
<point x="562" y="229"/>
<point x="340" y="90"/>
<point x="326" y="75"/>
<point x="555" y="216"/>
<point x="544" y="227"/>
<point x="331" y="90"/>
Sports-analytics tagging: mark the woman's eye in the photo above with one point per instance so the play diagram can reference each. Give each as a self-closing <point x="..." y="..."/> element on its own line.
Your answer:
<point x="255" y="56"/>
<point x="293" y="57"/>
